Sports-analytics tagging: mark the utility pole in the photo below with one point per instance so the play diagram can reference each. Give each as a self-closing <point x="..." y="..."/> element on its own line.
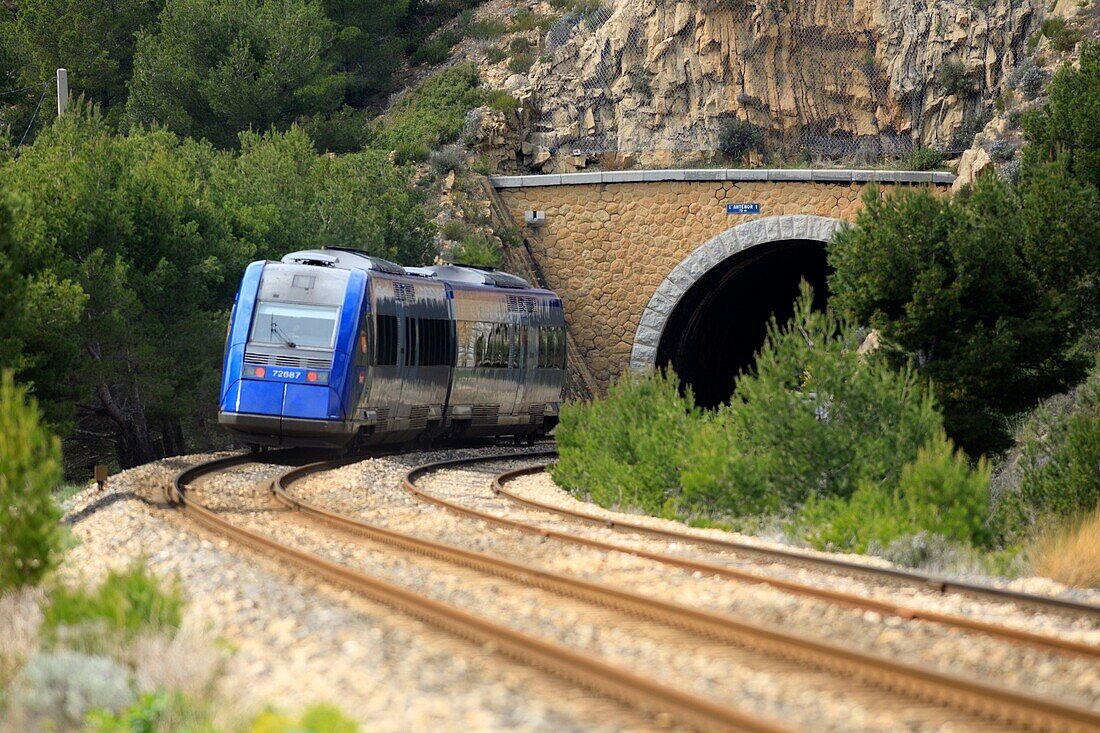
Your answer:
<point x="62" y="90"/>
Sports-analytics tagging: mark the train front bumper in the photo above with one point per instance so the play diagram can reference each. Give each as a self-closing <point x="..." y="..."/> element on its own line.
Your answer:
<point x="281" y="413"/>
<point x="276" y="430"/>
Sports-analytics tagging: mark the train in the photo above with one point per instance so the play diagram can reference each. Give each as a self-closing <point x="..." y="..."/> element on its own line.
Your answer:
<point x="335" y="348"/>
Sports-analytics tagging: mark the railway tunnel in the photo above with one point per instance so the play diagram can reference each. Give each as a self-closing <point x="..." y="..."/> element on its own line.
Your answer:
<point x="708" y="318"/>
<point x="719" y="324"/>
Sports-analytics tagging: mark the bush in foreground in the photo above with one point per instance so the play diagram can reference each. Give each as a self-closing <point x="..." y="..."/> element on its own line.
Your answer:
<point x="835" y="419"/>
<point x="30" y="469"/>
<point x="126" y="603"/>
<point x="938" y="495"/>
<point x="626" y="450"/>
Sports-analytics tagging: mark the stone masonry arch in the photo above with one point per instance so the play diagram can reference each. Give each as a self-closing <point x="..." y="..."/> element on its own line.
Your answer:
<point x="622" y="248"/>
<point x="718" y="249"/>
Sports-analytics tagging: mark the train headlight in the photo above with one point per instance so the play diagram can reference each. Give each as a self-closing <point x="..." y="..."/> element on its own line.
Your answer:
<point x="256" y="372"/>
<point x="314" y="377"/>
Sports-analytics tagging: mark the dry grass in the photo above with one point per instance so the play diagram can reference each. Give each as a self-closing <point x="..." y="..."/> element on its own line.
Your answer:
<point x="1069" y="552"/>
<point x="20" y="617"/>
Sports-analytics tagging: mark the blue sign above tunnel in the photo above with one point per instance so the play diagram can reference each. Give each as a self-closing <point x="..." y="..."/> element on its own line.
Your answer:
<point x="742" y="208"/>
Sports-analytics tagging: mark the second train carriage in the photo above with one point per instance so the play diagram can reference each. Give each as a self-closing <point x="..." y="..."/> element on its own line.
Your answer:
<point x="332" y="347"/>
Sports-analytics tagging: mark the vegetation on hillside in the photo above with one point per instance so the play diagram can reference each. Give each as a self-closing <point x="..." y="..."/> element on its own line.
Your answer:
<point x="987" y="293"/>
<point x="853" y="457"/>
<point x="991" y="297"/>
<point x="214" y="68"/>
<point x="128" y="250"/>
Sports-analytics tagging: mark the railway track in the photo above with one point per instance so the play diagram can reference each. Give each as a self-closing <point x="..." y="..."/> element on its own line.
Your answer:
<point x="894" y="576"/>
<point x="615" y="682"/>
<point x="975" y="703"/>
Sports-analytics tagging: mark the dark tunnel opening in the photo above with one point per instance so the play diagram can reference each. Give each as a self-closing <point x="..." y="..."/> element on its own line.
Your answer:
<point x="718" y="326"/>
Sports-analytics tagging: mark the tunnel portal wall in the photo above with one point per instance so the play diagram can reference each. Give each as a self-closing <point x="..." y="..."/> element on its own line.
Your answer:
<point x="731" y="243"/>
<point x="617" y="244"/>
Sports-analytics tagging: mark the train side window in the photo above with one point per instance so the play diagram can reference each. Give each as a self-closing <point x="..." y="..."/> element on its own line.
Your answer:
<point x="519" y="346"/>
<point x="465" y="356"/>
<point x="551" y="347"/>
<point x="410" y="341"/>
<point x="434" y="335"/>
<point x="500" y="345"/>
<point x="482" y="333"/>
<point x="544" y="347"/>
<point x="385" y="342"/>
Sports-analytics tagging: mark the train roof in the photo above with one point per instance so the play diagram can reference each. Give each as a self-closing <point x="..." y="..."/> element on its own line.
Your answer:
<point x="344" y="258"/>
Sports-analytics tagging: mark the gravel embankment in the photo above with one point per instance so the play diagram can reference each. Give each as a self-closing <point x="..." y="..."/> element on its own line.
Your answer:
<point x="806" y="699"/>
<point x="296" y="641"/>
<point x="370" y="490"/>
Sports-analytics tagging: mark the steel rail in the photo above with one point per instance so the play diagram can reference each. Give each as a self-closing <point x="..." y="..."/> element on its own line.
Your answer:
<point x="984" y="699"/>
<point x="932" y="582"/>
<point x="615" y="682"/>
<point x="1007" y="633"/>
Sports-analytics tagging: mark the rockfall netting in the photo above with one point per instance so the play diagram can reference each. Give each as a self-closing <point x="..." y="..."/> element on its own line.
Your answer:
<point x="780" y="81"/>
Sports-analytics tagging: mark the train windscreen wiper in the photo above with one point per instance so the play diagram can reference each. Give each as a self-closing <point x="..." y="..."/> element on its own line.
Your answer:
<point x="276" y="331"/>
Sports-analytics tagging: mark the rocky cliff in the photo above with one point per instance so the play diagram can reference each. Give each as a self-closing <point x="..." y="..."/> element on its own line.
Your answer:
<point x="655" y="82"/>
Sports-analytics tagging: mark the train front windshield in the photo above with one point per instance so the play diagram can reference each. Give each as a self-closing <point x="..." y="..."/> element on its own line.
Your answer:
<point x="293" y="325"/>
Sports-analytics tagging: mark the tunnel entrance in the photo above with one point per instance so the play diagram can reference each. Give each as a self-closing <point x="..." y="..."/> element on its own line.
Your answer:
<point x="718" y="325"/>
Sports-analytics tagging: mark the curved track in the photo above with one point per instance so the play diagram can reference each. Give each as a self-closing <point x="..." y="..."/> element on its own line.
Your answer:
<point x="974" y="702"/>
<point x="892" y="575"/>
<point x="942" y="585"/>
<point x="620" y="684"/>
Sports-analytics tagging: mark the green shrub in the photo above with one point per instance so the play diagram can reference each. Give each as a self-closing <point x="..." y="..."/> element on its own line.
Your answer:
<point x="521" y="63"/>
<point x="952" y="78"/>
<point x="519" y="44"/>
<point x="455" y="230"/>
<point x="937" y="493"/>
<point x="484" y="29"/>
<point x="923" y="159"/>
<point x="495" y="54"/>
<point x="321" y="718"/>
<point x="160" y="711"/>
<point x="641" y="81"/>
<point x="836" y="419"/>
<point x="431" y="114"/>
<point x="1067" y="126"/>
<point x="411" y="151"/>
<point x="1060" y="466"/>
<point x="626" y="450"/>
<point x="30" y="470"/>
<point x="737" y="138"/>
<point x="1062" y="36"/>
<point x="986" y="294"/>
<point x="445" y="160"/>
<point x="500" y="99"/>
<point x="524" y="20"/>
<point x="127" y="602"/>
<point x="479" y="250"/>
<point x="436" y="50"/>
<point x="344" y="131"/>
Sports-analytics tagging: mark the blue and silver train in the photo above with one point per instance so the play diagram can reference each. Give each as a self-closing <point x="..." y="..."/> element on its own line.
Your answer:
<point x="335" y="348"/>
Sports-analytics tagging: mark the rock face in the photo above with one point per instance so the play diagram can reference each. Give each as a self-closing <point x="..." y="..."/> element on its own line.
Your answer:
<point x="653" y="82"/>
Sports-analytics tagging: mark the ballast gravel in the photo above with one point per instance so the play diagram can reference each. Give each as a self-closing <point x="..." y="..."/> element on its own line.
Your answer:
<point x="371" y="490"/>
<point x="296" y="641"/>
<point x="299" y="641"/>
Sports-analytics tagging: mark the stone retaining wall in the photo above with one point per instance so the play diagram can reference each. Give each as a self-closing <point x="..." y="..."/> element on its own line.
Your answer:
<point x="610" y="239"/>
